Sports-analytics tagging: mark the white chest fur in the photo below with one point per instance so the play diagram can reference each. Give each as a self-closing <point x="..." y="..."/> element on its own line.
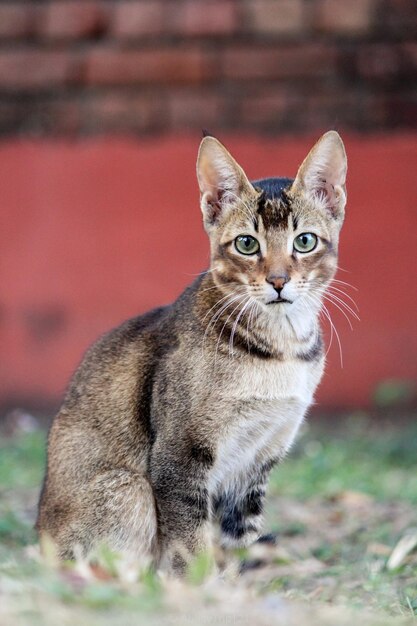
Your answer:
<point x="276" y="380"/>
<point x="267" y="405"/>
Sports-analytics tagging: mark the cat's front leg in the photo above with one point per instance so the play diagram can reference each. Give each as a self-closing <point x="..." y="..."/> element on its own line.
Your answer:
<point x="238" y="508"/>
<point x="179" y="480"/>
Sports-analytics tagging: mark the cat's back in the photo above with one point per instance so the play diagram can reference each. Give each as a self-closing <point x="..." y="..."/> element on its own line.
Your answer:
<point x="116" y="360"/>
<point x="104" y="415"/>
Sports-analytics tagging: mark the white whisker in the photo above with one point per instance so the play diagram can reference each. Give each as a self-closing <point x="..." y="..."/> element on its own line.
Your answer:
<point x="234" y="327"/>
<point x="315" y="298"/>
<point x="214" y="269"/>
<point x="230" y="299"/>
<point x="228" y="295"/>
<point x="348" y="308"/>
<point x="333" y="288"/>
<point x="224" y="326"/>
<point x="252" y="309"/>
<point x="340" y="309"/>
<point x="343" y="282"/>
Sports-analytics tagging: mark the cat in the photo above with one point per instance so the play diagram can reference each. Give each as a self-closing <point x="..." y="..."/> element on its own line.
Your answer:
<point x="170" y="426"/>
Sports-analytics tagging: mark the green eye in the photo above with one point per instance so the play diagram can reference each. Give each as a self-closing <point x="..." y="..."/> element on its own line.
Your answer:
<point x="245" y="244"/>
<point x="306" y="242"/>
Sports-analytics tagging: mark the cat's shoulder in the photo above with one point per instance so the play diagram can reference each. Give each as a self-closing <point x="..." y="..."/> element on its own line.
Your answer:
<point x="136" y="326"/>
<point x="125" y="338"/>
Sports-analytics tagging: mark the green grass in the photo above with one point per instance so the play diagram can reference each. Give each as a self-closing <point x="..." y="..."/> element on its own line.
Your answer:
<point x="22" y="460"/>
<point x="382" y="464"/>
<point x="341" y="501"/>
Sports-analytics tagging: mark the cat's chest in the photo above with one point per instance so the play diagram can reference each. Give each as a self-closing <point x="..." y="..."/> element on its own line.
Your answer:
<point x="265" y="407"/>
<point x="258" y="432"/>
<point x="274" y="380"/>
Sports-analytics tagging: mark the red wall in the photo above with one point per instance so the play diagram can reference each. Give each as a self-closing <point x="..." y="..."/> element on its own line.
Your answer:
<point x="96" y="231"/>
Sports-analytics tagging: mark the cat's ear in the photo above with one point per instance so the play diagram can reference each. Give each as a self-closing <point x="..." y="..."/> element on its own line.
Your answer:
<point x="221" y="180"/>
<point x="322" y="175"/>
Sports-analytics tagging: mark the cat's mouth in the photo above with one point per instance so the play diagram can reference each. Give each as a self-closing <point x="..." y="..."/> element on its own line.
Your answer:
<point x="279" y="300"/>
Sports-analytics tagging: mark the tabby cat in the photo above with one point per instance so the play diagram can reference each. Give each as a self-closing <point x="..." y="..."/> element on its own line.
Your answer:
<point x="173" y="421"/>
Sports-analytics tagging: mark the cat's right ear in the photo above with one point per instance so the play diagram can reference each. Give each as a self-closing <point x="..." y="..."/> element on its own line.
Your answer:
<point x="220" y="178"/>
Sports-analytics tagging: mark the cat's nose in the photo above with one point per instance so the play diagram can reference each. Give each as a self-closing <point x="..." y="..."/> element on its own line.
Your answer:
<point x="278" y="282"/>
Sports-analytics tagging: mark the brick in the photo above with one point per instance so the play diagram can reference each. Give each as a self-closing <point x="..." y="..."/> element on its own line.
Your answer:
<point x="355" y="17"/>
<point x="182" y="17"/>
<point x="194" y="110"/>
<point x="399" y="19"/>
<point x="267" y="110"/>
<point x="17" y="20"/>
<point x="33" y="68"/>
<point x="139" y="18"/>
<point x="379" y="61"/>
<point x="67" y="19"/>
<point x="208" y="17"/>
<point x="338" y="108"/>
<point x="60" y="116"/>
<point x="401" y="110"/>
<point x="111" y="66"/>
<point x="409" y="51"/>
<point x="10" y="117"/>
<point x="309" y="60"/>
<point x="124" y="112"/>
<point x="320" y="111"/>
<point x="39" y="116"/>
<point x="276" y="16"/>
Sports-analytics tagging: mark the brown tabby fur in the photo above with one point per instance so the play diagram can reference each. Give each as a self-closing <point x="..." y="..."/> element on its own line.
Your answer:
<point x="173" y="420"/>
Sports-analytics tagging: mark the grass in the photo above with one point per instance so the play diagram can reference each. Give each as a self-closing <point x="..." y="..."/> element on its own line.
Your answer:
<point x="340" y="503"/>
<point x="360" y="457"/>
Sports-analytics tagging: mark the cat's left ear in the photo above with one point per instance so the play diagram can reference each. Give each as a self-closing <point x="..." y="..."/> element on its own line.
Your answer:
<point x="221" y="180"/>
<point x="322" y="175"/>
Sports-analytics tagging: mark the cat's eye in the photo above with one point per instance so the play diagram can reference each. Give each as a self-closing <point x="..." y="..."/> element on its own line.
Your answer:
<point x="245" y="244"/>
<point x="306" y="242"/>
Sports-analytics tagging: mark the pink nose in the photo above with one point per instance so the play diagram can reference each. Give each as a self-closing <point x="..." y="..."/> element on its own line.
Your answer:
<point x="278" y="282"/>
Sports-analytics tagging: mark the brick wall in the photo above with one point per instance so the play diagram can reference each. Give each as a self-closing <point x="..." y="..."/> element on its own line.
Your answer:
<point x="141" y="66"/>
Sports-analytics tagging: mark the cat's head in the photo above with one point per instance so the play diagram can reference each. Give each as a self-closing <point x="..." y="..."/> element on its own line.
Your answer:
<point x="274" y="239"/>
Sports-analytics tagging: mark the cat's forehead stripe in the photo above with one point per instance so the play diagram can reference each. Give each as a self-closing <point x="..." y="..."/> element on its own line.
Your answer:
<point x="274" y="213"/>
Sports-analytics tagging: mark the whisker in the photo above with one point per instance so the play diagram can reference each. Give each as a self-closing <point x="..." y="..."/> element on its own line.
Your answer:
<point x="332" y="297"/>
<point x="348" y="308"/>
<point x="214" y="269"/>
<point x="230" y="299"/>
<point x="223" y="327"/>
<point x="216" y="304"/>
<point x="341" y="310"/>
<point x="333" y="288"/>
<point x="343" y="282"/>
<point x="234" y="327"/>
<point x="333" y="329"/>
<point x="252" y="310"/>
<point x="228" y="295"/>
<point x="217" y="287"/>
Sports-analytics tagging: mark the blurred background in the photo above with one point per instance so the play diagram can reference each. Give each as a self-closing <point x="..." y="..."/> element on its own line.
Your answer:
<point x="102" y="103"/>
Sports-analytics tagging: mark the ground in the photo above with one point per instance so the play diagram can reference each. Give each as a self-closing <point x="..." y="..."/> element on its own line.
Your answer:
<point x="342" y="505"/>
